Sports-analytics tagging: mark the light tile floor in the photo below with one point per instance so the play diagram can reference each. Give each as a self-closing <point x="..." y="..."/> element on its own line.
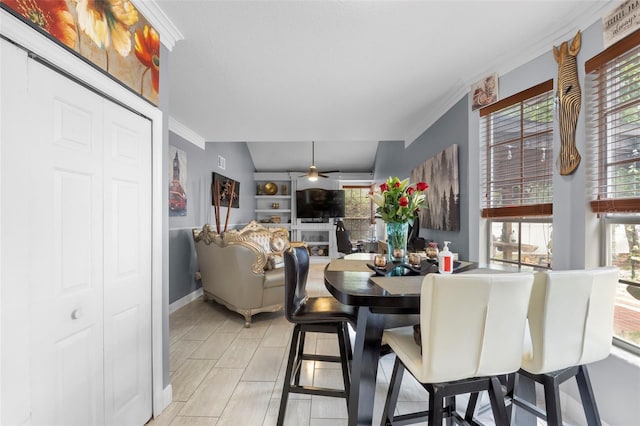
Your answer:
<point x="224" y="374"/>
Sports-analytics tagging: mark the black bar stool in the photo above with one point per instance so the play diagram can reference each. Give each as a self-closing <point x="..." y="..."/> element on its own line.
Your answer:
<point x="312" y="314"/>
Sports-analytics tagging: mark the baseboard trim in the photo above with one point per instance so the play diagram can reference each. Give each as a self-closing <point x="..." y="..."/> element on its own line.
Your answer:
<point x="185" y="300"/>
<point x="167" y="397"/>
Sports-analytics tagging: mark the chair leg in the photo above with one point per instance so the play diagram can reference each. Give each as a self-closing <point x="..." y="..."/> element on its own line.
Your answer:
<point x="449" y="409"/>
<point x="471" y="407"/>
<point x="344" y="360"/>
<point x="497" y="403"/>
<point x="286" y="386"/>
<point x="300" y="340"/>
<point x="392" y="393"/>
<point x="347" y="340"/>
<point x="435" y="407"/>
<point x="510" y="385"/>
<point x="552" y="400"/>
<point x="587" y="397"/>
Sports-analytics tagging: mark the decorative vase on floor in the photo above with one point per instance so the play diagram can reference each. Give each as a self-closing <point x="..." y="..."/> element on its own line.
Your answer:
<point x="397" y="240"/>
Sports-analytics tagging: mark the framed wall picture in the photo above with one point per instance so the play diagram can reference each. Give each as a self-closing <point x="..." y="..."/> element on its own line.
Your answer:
<point x="484" y="92"/>
<point x="177" y="182"/>
<point x="227" y="188"/>
<point x="442" y="209"/>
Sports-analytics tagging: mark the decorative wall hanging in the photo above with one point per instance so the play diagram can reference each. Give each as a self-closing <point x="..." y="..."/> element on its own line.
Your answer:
<point x="224" y="192"/>
<point x="568" y="98"/>
<point x="228" y="189"/>
<point x="620" y="22"/>
<point x="177" y="182"/>
<point x="442" y="209"/>
<point x="109" y="34"/>
<point x="484" y="92"/>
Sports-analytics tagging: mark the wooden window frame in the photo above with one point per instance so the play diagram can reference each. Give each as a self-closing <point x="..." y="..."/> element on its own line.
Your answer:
<point x="605" y="200"/>
<point x="519" y="210"/>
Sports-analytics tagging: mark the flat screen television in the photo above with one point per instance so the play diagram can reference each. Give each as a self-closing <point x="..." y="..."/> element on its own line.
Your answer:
<point x="317" y="203"/>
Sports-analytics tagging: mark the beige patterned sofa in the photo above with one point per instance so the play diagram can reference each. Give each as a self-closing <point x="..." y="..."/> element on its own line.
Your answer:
<point x="243" y="269"/>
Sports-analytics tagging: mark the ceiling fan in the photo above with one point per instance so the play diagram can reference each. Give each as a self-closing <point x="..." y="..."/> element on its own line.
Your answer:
<point x="313" y="172"/>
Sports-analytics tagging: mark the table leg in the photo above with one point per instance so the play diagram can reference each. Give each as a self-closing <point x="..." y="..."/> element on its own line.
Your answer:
<point x="364" y="369"/>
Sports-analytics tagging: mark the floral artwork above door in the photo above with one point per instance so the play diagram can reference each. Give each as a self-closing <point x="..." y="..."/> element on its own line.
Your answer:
<point x="109" y="34"/>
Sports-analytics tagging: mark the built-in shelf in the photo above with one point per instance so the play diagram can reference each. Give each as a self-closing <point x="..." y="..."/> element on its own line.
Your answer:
<point x="319" y="237"/>
<point x="264" y="209"/>
<point x="276" y="225"/>
<point x="273" y="211"/>
<point x="273" y="197"/>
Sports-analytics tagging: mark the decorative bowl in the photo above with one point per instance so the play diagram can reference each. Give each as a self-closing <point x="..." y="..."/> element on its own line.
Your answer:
<point x="270" y="188"/>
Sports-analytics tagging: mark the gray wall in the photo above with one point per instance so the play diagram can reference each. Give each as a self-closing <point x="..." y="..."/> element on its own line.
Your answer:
<point x="393" y="159"/>
<point x="200" y="164"/>
<point x="615" y="380"/>
<point x="573" y="222"/>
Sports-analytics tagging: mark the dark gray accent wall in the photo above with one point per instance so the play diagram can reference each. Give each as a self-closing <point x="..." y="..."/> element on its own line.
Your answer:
<point x="393" y="159"/>
<point x="201" y="163"/>
<point x="183" y="264"/>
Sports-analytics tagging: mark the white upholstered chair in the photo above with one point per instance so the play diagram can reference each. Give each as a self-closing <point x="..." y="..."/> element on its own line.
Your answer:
<point x="571" y="323"/>
<point x="472" y="329"/>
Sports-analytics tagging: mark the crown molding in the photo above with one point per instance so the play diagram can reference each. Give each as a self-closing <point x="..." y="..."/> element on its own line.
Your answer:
<point x="169" y="33"/>
<point x="186" y="133"/>
<point x="509" y="62"/>
<point x="435" y="113"/>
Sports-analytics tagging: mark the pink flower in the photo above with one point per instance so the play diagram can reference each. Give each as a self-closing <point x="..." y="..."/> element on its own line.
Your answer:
<point x="397" y="184"/>
<point x="411" y="190"/>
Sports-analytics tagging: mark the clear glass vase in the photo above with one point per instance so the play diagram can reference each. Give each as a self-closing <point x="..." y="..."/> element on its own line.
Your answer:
<point x="397" y="241"/>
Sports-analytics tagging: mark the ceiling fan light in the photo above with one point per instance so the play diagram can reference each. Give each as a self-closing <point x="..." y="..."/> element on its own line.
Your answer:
<point x="313" y="174"/>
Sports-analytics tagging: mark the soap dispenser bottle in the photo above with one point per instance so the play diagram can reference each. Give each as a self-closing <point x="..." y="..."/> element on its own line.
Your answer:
<point x="445" y="259"/>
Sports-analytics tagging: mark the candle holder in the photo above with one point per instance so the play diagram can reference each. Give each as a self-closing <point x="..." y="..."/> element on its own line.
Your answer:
<point x="380" y="260"/>
<point x="432" y="251"/>
<point x="414" y="259"/>
<point x="397" y="254"/>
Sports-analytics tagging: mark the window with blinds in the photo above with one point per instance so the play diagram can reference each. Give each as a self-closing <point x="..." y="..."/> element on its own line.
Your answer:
<point x="517" y="133"/>
<point x="613" y="101"/>
<point x="358" y="211"/>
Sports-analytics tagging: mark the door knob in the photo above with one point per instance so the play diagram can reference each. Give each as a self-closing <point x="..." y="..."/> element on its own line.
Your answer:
<point x="76" y="314"/>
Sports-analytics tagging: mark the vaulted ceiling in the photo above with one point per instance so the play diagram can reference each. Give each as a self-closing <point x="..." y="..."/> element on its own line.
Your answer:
<point x="346" y="74"/>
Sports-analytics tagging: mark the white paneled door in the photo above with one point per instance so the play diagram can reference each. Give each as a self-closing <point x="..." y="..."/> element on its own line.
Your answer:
<point x="127" y="266"/>
<point x="87" y="185"/>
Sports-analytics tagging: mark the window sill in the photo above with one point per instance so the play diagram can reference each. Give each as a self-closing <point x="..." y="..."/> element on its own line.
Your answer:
<point x="626" y="353"/>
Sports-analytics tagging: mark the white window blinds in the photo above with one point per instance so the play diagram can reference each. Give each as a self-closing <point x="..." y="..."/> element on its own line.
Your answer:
<point x="613" y="127"/>
<point x="517" y="136"/>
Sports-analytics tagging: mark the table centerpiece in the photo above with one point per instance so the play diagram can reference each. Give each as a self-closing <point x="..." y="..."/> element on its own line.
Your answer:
<point x="397" y="203"/>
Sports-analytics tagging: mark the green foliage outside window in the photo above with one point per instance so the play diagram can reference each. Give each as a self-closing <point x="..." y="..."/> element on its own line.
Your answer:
<point x="357" y="210"/>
